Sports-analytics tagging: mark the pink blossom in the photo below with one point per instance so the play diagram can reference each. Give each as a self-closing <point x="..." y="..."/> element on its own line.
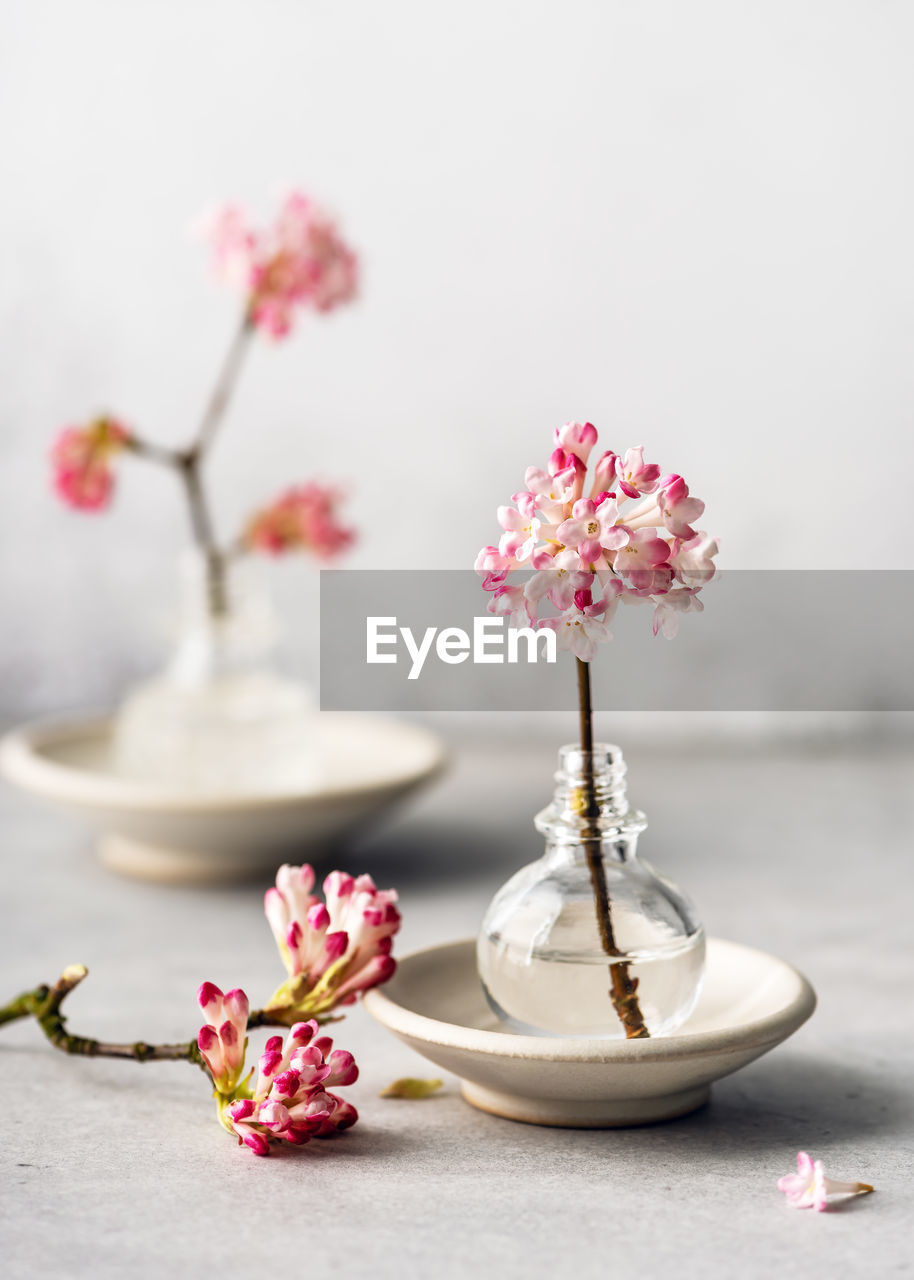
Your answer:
<point x="557" y="577"/>
<point x="222" y="1040"/>
<point x="300" y="261"/>
<point x="604" y="474"/>
<point x="577" y="438"/>
<point x="302" y="518"/>
<point x="693" y="561"/>
<point x="678" y="508"/>
<point x="333" y="950"/>
<point x="510" y="603"/>
<point x="809" y="1188"/>
<point x="642" y="554"/>
<point x="579" y="633"/>
<point x="635" y="475"/>
<point x="81" y="461"/>
<point x="291" y="1100"/>
<point x="670" y="606"/>
<point x="632" y="541"/>
<point x="561" y="482"/>
<point x="593" y="528"/>
<point x="520" y="536"/>
<point x="493" y="565"/>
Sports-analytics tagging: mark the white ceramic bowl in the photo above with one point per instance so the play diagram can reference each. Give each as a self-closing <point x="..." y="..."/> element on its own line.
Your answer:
<point x="161" y="834"/>
<point x="750" y="1002"/>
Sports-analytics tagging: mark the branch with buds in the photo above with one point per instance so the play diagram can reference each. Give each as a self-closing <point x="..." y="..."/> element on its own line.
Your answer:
<point x="300" y="262"/>
<point x="333" y="951"/>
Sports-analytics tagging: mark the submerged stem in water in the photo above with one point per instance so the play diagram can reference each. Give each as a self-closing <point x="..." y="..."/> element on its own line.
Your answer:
<point x="623" y="991"/>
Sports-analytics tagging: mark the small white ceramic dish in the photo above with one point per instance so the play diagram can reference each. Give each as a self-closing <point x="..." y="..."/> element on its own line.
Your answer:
<point x="750" y="1002"/>
<point x="161" y="834"/>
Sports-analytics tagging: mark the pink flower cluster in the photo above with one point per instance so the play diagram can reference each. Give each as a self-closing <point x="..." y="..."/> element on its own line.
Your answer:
<point x="301" y="261"/>
<point x="809" y="1188"/>
<point x="222" y="1040"/>
<point x="81" y="462"/>
<point x="588" y="553"/>
<point x="303" y="518"/>
<point x="332" y="950"/>
<point x="290" y="1100"/>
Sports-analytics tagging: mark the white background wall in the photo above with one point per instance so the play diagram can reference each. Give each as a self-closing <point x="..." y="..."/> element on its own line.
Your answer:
<point x="688" y="222"/>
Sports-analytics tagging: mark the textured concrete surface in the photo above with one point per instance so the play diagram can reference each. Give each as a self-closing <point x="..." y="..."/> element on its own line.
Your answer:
<point x="112" y="1168"/>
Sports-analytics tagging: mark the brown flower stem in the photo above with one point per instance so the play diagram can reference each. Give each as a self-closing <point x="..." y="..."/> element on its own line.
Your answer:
<point x="153" y="452"/>
<point x="188" y="464"/>
<point x="623" y="990"/>
<point x="225" y="384"/>
<point x="43" y="1004"/>
<point x="202" y="525"/>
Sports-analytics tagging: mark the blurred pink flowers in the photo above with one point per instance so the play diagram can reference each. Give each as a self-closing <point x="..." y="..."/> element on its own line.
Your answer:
<point x="809" y="1188"/>
<point x="588" y="553"/>
<point x="334" y="950"/>
<point x="290" y="1100"/>
<point x="81" y="462"/>
<point x="300" y="261"/>
<point x="302" y="518"/>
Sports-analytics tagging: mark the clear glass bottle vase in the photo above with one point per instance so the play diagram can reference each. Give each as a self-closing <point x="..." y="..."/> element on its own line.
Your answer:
<point x="590" y="940"/>
<point x="220" y="717"/>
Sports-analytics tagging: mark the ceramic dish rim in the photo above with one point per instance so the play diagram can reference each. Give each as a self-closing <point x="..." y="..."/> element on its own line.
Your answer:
<point x="760" y="1033"/>
<point x="23" y="762"/>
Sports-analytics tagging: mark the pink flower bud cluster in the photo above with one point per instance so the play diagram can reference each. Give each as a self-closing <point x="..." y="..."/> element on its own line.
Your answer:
<point x="588" y="553"/>
<point x="81" y="462"/>
<point x="300" y="261"/>
<point x="303" y="518"/>
<point x="332" y="950"/>
<point x="222" y="1040"/>
<point x="291" y="1101"/>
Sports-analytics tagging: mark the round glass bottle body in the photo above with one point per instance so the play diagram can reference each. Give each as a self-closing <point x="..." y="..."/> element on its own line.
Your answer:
<point x="590" y="939"/>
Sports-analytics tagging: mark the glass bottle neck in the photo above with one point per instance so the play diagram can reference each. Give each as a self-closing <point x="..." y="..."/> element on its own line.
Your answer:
<point x="590" y="803"/>
<point x="208" y="646"/>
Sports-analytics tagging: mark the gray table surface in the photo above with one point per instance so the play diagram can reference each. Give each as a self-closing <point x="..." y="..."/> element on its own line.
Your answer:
<point x="112" y="1169"/>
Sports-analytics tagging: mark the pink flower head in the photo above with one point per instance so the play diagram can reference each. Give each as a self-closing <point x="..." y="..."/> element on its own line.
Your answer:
<point x="291" y="1099"/>
<point x="631" y="540"/>
<point x="335" y="949"/>
<point x="302" y="518"/>
<point x="809" y="1188"/>
<point x="81" y="461"/>
<point x="300" y="261"/>
<point x="222" y="1039"/>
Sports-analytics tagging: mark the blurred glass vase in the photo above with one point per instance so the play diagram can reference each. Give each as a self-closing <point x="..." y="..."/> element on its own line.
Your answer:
<point x="220" y="718"/>
<point x="589" y="940"/>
